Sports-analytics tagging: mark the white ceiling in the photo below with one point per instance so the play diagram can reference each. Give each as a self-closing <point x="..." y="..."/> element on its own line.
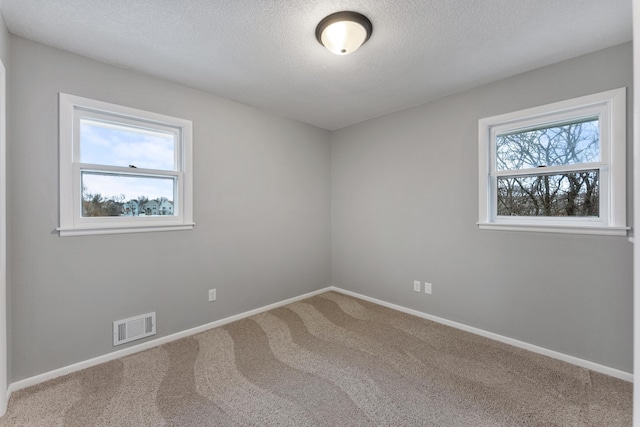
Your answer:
<point x="264" y="52"/>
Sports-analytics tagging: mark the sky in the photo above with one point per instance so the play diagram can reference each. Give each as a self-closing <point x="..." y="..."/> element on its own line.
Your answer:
<point x="549" y="146"/>
<point x="131" y="187"/>
<point x="107" y="144"/>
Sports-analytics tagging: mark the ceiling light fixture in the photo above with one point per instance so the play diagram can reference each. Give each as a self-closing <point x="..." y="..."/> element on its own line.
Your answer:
<point x="344" y="32"/>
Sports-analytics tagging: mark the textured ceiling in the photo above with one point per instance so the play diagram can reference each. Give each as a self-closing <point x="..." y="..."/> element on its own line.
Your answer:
<point x="264" y="52"/>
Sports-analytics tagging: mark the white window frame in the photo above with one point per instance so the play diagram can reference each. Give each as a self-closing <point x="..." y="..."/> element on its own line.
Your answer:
<point x="610" y="108"/>
<point x="72" y="223"/>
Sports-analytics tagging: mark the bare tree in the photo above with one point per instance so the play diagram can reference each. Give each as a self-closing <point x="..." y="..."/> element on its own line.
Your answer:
<point x="549" y="194"/>
<point x="98" y="205"/>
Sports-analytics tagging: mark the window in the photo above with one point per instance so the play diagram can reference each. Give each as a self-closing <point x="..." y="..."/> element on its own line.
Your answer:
<point x="122" y="170"/>
<point x="556" y="168"/>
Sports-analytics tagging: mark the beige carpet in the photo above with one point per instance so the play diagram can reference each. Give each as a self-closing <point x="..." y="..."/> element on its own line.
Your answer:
<point x="330" y="360"/>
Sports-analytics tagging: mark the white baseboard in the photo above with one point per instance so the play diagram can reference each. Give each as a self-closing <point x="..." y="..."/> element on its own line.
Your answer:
<point x="626" y="376"/>
<point x="37" y="379"/>
<point x="46" y="376"/>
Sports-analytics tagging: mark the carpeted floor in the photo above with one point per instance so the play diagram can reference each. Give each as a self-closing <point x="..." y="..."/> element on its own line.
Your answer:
<point x="330" y="360"/>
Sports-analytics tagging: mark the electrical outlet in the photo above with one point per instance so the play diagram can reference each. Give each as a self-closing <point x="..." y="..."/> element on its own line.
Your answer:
<point x="416" y="285"/>
<point x="212" y="295"/>
<point x="427" y="288"/>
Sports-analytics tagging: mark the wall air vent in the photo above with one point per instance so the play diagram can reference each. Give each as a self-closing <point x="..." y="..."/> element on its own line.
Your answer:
<point x="134" y="328"/>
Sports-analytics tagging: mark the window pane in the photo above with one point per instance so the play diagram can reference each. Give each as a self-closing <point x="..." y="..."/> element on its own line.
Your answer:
<point x="122" y="195"/>
<point x="567" y="194"/>
<point x="563" y="144"/>
<point x="105" y="143"/>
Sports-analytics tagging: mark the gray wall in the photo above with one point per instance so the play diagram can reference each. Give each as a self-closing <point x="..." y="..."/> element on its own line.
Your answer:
<point x="405" y="207"/>
<point x="261" y="207"/>
<point x="4" y="57"/>
<point x="389" y="201"/>
<point x="4" y="42"/>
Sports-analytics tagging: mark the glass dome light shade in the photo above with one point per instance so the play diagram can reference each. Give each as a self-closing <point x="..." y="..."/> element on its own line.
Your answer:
<point x="344" y="32"/>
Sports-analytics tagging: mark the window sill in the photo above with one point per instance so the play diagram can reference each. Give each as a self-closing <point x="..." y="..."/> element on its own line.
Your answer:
<point x="566" y="229"/>
<point x="67" y="232"/>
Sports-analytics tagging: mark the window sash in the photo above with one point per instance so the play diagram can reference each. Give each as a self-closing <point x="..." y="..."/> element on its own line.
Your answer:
<point x="176" y="177"/>
<point x="178" y="198"/>
<point x="551" y="119"/>
<point x="603" y="205"/>
<point x="126" y="122"/>
<point x="509" y="150"/>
